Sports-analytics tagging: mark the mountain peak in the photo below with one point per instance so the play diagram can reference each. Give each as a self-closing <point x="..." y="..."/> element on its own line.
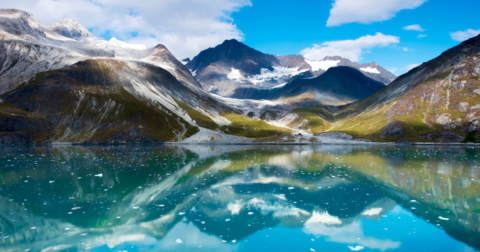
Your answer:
<point x="14" y="13"/>
<point x="71" y="29"/>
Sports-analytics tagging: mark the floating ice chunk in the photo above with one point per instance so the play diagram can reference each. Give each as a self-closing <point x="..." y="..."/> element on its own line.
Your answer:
<point x="76" y="208"/>
<point x="99" y="175"/>
<point x="291" y="188"/>
<point x="181" y="213"/>
<point x="312" y="249"/>
<point x="443" y="218"/>
<point x="179" y="241"/>
<point x="51" y="181"/>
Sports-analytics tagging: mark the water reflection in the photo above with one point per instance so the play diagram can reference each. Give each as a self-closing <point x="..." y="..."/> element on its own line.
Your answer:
<point x="239" y="198"/>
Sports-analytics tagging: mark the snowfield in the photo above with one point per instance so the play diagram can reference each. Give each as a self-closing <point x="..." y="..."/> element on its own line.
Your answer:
<point x="372" y="70"/>
<point x="322" y="65"/>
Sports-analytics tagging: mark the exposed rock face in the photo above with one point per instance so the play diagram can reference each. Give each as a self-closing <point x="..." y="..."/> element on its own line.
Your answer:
<point x="443" y="119"/>
<point x="21" y="127"/>
<point x="443" y="136"/>
<point x="103" y="101"/>
<point x="437" y="94"/>
<point x="393" y="129"/>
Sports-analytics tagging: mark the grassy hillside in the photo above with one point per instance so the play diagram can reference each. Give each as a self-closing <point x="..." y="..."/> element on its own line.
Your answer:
<point x="247" y="127"/>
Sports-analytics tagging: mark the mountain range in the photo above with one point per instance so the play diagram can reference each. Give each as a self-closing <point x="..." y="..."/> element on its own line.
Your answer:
<point x="62" y="84"/>
<point x="232" y="65"/>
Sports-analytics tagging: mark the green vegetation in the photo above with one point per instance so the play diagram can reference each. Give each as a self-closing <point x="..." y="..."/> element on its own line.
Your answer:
<point x="315" y="117"/>
<point x="200" y="118"/>
<point x="246" y="127"/>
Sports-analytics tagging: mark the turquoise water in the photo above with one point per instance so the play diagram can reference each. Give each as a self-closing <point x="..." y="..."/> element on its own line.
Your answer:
<point x="240" y="198"/>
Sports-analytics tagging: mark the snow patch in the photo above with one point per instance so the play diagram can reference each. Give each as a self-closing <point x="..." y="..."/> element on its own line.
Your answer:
<point x="323" y="64"/>
<point x="265" y="75"/>
<point x="372" y="70"/>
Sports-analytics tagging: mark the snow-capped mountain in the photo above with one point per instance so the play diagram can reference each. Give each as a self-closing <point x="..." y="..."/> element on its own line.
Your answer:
<point x="84" y="84"/>
<point x="72" y="29"/>
<point x="232" y="65"/>
<point x="337" y="86"/>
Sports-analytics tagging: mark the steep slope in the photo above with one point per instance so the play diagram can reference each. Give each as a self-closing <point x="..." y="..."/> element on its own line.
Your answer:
<point x="338" y="86"/>
<point x="232" y="65"/>
<point x="28" y="48"/>
<point x="108" y="100"/>
<point x="437" y="101"/>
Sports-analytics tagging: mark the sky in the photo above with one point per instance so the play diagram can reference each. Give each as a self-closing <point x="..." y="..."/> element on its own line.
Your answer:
<point x="396" y="34"/>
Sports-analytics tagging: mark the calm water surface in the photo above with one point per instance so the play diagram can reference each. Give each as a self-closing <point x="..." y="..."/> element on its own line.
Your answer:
<point x="240" y="198"/>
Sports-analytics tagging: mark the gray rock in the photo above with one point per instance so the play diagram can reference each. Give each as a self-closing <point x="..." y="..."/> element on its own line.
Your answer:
<point x="462" y="106"/>
<point x="444" y="119"/>
<point x="443" y="136"/>
<point x="393" y="129"/>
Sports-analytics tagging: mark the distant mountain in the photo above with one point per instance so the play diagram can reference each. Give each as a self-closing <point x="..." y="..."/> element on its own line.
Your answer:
<point x="231" y="65"/>
<point x="337" y="86"/>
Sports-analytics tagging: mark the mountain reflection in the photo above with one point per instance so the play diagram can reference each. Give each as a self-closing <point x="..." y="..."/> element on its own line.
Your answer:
<point x="238" y="198"/>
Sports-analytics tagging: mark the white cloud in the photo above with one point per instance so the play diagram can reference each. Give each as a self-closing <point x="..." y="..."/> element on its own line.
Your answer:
<point x="185" y="26"/>
<point x="414" y="27"/>
<point x="421" y="36"/>
<point x="367" y="11"/>
<point x="464" y="35"/>
<point x="350" y="49"/>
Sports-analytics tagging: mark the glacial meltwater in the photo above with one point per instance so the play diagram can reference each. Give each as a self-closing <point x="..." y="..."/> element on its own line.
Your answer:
<point x="240" y="198"/>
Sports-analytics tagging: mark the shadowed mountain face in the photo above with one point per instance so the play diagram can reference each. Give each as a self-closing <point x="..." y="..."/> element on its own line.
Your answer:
<point x="232" y="65"/>
<point x="238" y="198"/>
<point x="338" y="86"/>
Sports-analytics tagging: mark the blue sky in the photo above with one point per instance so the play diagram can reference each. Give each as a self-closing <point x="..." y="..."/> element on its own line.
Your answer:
<point x="361" y="30"/>
<point x="287" y="27"/>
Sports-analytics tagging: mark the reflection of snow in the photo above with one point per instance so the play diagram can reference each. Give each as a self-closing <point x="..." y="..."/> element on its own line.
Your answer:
<point x="372" y="211"/>
<point x="191" y="237"/>
<point x="235" y="208"/>
<point x="266" y="207"/>
<point x="349" y="234"/>
<point x="356" y="248"/>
